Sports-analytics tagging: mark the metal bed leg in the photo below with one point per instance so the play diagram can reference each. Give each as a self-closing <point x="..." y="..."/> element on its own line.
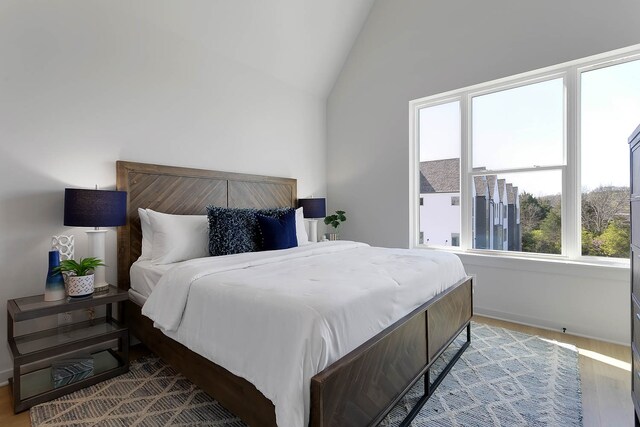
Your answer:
<point x="429" y="389"/>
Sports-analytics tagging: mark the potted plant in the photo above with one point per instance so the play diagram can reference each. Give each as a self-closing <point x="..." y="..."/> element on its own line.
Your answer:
<point x="79" y="275"/>
<point x="335" y="220"/>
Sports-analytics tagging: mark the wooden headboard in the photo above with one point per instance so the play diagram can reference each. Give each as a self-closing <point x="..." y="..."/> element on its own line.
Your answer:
<point x="188" y="191"/>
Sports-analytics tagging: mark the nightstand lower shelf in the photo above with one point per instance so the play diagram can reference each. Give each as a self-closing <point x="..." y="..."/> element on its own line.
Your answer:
<point x="37" y="386"/>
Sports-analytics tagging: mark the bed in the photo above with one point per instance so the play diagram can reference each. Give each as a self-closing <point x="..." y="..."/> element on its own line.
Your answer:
<point x="361" y="386"/>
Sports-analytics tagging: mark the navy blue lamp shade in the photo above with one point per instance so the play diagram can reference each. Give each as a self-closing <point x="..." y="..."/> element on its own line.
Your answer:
<point x="313" y="208"/>
<point x="94" y="208"/>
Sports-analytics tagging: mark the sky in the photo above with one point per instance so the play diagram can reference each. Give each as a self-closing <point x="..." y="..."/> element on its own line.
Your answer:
<point x="523" y="127"/>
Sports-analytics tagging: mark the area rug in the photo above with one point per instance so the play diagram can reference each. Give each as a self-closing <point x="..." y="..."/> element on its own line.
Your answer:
<point x="504" y="378"/>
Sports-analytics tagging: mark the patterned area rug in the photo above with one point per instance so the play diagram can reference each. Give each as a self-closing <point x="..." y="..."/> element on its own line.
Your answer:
<point x="504" y="378"/>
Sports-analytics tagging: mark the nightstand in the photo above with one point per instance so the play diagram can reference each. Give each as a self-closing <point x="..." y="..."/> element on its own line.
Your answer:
<point x="34" y="353"/>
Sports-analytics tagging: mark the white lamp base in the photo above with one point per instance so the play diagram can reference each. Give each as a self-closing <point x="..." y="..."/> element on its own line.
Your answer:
<point x="313" y="229"/>
<point x="97" y="248"/>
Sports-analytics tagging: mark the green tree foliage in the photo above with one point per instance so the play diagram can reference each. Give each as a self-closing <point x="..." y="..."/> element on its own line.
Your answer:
<point x="615" y="240"/>
<point x="590" y="245"/>
<point x="532" y="212"/>
<point x="605" y="221"/>
<point x="546" y="237"/>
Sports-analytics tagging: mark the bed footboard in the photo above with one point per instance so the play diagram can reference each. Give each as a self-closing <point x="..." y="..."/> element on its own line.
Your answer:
<point x="363" y="386"/>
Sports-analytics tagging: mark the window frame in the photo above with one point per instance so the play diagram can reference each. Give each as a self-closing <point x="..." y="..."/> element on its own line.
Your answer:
<point x="570" y="167"/>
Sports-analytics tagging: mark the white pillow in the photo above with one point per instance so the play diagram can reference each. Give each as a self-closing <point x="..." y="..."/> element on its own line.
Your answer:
<point x="178" y="237"/>
<point x="147" y="234"/>
<point x="301" y="231"/>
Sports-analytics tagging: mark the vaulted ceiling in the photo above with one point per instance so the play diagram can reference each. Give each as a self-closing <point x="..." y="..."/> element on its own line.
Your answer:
<point x="303" y="43"/>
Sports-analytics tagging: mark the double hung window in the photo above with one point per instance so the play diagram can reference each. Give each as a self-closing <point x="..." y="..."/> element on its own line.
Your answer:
<point x="538" y="162"/>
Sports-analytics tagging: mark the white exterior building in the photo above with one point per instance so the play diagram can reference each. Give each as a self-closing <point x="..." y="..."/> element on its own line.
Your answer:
<point x="496" y="208"/>
<point x="440" y="202"/>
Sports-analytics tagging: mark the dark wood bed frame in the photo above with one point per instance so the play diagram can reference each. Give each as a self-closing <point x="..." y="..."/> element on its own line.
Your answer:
<point x="357" y="390"/>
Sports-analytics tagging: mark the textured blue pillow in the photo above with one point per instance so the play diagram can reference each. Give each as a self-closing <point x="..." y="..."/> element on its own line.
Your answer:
<point x="278" y="233"/>
<point x="234" y="231"/>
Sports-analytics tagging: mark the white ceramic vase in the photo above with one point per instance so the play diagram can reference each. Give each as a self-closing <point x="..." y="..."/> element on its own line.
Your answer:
<point x="79" y="286"/>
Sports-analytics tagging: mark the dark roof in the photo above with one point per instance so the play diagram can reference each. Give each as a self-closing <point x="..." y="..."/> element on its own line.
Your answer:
<point x="491" y="182"/>
<point x="480" y="182"/>
<point x="443" y="176"/>
<point x="501" y="189"/>
<point x="440" y="176"/>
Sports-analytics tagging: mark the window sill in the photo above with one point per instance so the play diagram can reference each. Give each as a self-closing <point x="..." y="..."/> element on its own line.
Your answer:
<point x="617" y="269"/>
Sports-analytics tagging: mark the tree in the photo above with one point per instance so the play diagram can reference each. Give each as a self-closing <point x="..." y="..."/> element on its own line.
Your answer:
<point x="602" y="205"/>
<point x="605" y="223"/>
<point x="590" y="244"/>
<point x="548" y="237"/>
<point x="532" y="212"/>
<point x="615" y="240"/>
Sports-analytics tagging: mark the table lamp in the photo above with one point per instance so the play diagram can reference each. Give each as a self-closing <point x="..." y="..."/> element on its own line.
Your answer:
<point x="95" y="208"/>
<point x="313" y="209"/>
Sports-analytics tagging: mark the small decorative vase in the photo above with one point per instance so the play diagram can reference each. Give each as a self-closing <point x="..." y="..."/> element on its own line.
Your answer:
<point x="333" y="236"/>
<point x="54" y="286"/>
<point x="80" y="286"/>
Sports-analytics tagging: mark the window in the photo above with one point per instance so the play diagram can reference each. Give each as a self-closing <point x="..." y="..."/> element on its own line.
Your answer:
<point x="519" y="128"/>
<point x="439" y="172"/>
<point x="536" y="163"/>
<point x="609" y="109"/>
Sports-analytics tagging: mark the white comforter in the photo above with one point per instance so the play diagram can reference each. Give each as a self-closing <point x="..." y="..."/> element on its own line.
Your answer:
<point x="277" y="318"/>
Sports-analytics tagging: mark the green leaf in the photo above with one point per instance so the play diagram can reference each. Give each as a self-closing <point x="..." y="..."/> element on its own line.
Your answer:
<point x="79" y="268"/>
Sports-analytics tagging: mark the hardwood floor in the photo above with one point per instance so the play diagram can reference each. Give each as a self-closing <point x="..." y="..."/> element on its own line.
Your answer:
<point x="604" y="371"/>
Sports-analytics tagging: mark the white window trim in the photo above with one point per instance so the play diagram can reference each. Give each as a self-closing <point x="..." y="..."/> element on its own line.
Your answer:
<point x="571" y="198"/>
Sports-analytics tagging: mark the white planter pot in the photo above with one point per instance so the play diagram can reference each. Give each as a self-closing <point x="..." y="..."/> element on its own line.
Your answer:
<point x="79" y="286"/>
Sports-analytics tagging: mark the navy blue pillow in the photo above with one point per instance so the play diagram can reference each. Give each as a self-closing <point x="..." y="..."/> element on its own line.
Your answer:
<point x="234" y="231"/>
<point x="278" y="233"/>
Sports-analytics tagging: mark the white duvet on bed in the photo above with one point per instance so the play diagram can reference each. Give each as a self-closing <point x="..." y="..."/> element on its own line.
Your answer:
<point x="277" y="318"/>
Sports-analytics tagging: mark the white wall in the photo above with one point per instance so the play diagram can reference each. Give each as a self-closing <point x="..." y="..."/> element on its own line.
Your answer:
<point x="409" y="49"/>
<point x="86" y="83"/>
<point x="586" y="300"/>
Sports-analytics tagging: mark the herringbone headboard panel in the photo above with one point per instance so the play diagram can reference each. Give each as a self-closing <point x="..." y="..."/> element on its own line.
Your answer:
<point x="186" y="191"/>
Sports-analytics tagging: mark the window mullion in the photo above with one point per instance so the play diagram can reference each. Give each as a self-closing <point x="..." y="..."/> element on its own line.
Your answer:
<point x="571" y="222"/>
<point x="466" y="238"/>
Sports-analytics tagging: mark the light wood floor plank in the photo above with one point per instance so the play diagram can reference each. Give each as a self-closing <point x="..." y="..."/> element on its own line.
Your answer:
<point x="606" y="382"/>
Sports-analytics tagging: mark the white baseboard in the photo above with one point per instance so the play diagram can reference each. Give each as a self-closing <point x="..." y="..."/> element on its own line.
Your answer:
<point x="538" y="323"/>
<point x="4" y="377"/>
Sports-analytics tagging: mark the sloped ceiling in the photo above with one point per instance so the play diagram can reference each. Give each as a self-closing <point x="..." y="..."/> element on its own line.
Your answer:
<point x="303" y="43"/>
